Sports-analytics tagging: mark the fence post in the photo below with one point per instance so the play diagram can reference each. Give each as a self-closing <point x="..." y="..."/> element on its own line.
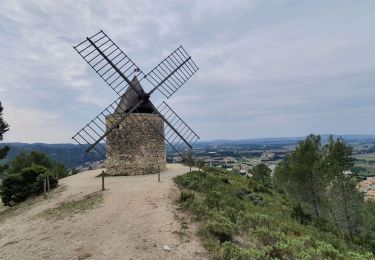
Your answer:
<point x="158" y="173"/>
<point x="103" y="181"/>
<point x="44" y="187"/>
<point x="48" y="187"/>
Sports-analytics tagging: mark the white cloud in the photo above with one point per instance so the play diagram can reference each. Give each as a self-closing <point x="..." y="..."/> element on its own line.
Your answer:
<point x="32" y="125"/>
<point x="265" y="67"/>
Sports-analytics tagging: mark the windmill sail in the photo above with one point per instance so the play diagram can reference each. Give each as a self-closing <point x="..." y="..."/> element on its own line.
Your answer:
<point x="108" y="61"/>
<point x="179" y="136"/>
<point x="115" y="67"/>
<point x="170" y="74"/>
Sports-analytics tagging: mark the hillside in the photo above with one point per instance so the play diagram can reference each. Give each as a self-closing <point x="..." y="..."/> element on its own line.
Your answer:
<point x="71" y="155"/>
<point x="134" y="218"/>
<point x="242" y="219"/>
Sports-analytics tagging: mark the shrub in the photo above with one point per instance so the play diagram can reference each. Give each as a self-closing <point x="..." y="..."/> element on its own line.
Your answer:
<point x="256" y="199"/>
<point x="229" y="250"/>
<point x="219" y="227"/>
<point x="268" y="237"/>
<point x="241" y="193"/>
<point x="327" y="251"/>
<point x="255" y="220"/>
<point x="198" y="207"/>
<point x="186" y="196"/>
<point x="17" y="187"/>
<point x="299" y="215"/>
<point x="233" y="228"/>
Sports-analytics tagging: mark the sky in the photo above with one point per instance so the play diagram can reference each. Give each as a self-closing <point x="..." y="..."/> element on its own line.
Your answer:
<point x="276" y="68"/>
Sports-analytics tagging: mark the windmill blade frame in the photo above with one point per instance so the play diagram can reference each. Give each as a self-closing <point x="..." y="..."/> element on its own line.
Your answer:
<point x="172" y="72"/>
<point x="115" y="68"/>
<point x="108" y="61"/>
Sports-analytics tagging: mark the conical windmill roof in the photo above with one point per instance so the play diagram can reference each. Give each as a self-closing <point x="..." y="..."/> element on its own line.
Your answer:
<point x="130" y="98"/>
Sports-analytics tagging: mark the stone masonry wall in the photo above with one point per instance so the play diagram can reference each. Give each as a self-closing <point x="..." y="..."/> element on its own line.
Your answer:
<point x="135" y="148"/>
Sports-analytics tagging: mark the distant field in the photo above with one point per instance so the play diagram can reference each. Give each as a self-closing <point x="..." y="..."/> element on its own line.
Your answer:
<point x="367" y="162"/>
<point x="367" y="157"/>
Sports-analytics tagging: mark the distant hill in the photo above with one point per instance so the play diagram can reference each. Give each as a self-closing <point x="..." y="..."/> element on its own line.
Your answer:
<point x="72" y="155"/>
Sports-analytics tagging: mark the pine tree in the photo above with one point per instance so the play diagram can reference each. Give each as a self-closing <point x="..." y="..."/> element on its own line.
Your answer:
<point x="4" y="127"/>
<point x="302" y="176"/>
<point x="345" y="200"/>
<point x="262" y="174"/>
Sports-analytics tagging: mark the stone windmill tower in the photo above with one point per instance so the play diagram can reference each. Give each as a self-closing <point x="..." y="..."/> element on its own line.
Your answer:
<point x="133" y="133"/>
<point x="143" y="149"/>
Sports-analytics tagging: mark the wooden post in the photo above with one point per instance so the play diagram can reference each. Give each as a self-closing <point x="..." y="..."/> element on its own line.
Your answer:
<point x="158" y="173"/>
<point x="103" y="181"/>
<point x="48" y="187"/>
<point x="44" y="188"/>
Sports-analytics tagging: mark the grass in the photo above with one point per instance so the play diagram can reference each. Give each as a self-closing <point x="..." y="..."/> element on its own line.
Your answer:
<point x="242" y="219"/>
<point x="71" y="208"/>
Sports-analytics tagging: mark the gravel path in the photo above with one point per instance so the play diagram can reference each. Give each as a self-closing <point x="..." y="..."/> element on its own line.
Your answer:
<point x="137" y="220"/>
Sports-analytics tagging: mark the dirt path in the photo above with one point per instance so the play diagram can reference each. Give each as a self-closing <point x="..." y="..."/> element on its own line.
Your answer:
<point x="137" y="220"/>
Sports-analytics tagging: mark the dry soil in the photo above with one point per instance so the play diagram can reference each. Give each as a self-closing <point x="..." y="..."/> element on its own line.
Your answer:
<point x="137" y="219"/>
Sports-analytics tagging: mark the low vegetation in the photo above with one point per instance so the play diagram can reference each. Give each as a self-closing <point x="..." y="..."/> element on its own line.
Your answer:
<point x="242" y="219"/>
<point x="308" y="210"/>
<point x="24" y="176"/>
<point x="73" y="207"/>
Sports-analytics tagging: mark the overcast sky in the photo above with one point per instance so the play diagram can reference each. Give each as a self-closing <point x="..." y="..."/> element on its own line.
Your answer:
<point x="267" y="68"/>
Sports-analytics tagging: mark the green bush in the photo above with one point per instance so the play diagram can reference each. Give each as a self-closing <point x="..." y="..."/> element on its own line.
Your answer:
<point x="248" y="221"/>
<point x="186" y="196"/>
<point x="198" y="207"/>
<point x="219" y="227"/>
<point x="234" y="226"/>
<point x="256" y="199"/>
<point x="229" y="250"/>
<point x="17" y="187"/>
<point x="300" y="215"/>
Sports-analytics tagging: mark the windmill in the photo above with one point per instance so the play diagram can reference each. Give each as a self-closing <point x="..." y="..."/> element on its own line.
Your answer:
<point x="131" y="132"/>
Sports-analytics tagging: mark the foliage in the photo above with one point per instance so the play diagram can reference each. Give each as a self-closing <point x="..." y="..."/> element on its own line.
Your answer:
<point x="25" y="176"/>
<point x="58" y="170"/>
<point x="26" y="159"/>
<point x="301" y="174"/>
<point x="300" y="215"/>
<point x="4" y="126"/>
<point x="262" y="174"/>
<point x="232" y="226"/>
<point x="345" y="200"/>
<point x="3" y="153"/>
<point x="17" y="187"/>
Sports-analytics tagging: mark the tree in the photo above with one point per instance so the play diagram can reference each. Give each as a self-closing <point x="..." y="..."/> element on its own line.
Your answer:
<point x="17" y="187"/>
<point x="261" y="173"/>
<point x="4" y="127"/>
<point x="26" y="159"/>
<point x="345" y="200"/>
<point x="301" y="173"/>
<point x="59" y="171"/>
